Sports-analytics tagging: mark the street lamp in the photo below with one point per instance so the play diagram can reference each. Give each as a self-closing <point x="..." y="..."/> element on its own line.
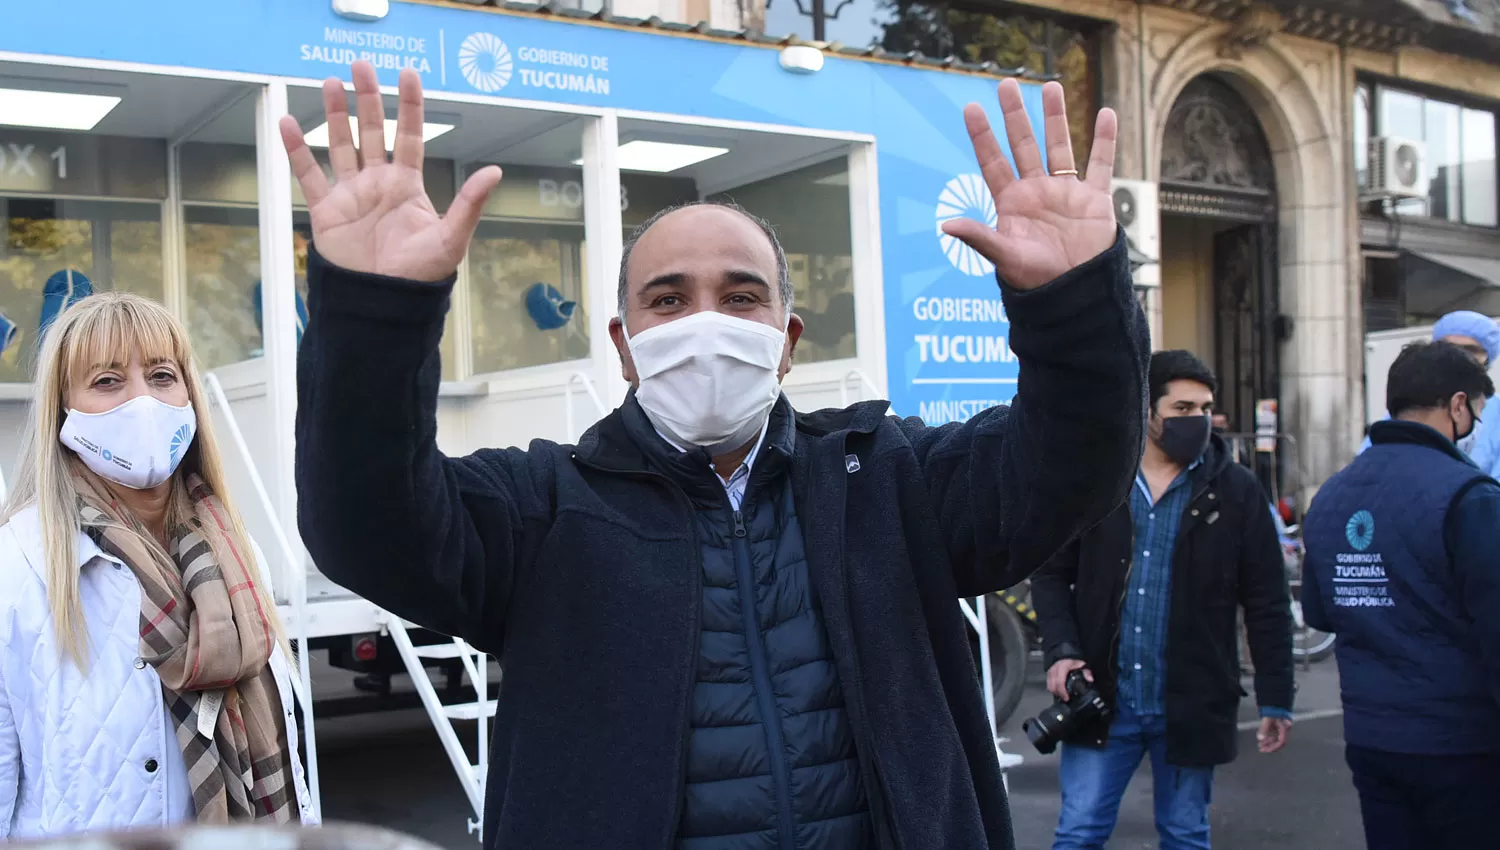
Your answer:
<point x="820" y="16"/>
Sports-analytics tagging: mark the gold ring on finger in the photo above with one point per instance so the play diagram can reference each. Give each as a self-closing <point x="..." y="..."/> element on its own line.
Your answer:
<point x="1065" y="172"/>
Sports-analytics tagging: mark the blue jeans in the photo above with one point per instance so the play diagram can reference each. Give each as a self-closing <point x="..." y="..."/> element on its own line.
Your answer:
<point x="1093" y="781"/>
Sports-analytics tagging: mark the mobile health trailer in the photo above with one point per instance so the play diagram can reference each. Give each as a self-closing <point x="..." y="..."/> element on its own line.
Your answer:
<point x="153" y="164"/>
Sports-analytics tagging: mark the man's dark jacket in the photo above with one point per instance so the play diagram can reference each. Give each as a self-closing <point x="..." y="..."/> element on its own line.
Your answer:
<point x="579" y="566"/>
<point x="1227" y="556"/>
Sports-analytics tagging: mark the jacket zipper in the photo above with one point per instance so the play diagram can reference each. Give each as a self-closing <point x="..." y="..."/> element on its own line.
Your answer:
<point x="1114" y="644"/>
<point x="760" y="674"/>
<point x="675" y="813"/>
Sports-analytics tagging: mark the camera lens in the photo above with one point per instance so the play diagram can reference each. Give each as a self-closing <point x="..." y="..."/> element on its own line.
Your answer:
<point x="1042" y="736"/>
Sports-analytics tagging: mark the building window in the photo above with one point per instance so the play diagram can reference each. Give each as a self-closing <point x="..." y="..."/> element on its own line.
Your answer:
<point x="1362" y="135"/>
<point x="1041" y="45"/>
<point x="1478" y="189"/>
<point x="1460" y="141"/>
<point x="1385" y="304"/>
<point x="853" y="23"/>
<point x="1012" y="38"/>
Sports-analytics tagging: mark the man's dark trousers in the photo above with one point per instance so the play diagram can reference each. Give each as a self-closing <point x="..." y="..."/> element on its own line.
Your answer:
<point x="1422" y="802"/>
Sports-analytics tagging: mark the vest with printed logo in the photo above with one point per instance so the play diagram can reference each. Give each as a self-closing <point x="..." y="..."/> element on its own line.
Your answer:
<point x="1408" y="663"/>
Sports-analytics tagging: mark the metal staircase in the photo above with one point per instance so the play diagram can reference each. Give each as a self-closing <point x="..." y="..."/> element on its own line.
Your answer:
<point x="471" y="775"/>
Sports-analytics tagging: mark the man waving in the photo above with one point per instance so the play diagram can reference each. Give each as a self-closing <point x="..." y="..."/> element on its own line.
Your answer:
<point x="721" y="623"/>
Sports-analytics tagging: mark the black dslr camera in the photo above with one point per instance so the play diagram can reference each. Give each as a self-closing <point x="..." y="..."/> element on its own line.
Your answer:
<point x="1058" y="721"/>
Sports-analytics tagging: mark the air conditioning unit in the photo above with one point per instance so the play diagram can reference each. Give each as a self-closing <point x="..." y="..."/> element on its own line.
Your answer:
<point x="1398" y="168"/>
<point x="1138" y="211"/>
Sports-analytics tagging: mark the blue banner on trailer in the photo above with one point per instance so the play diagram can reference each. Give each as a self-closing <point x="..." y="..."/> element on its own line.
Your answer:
<point x="947" y="338"/>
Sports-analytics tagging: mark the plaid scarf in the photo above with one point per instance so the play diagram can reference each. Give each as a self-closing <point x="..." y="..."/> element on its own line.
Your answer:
<point x="205" y="632"/>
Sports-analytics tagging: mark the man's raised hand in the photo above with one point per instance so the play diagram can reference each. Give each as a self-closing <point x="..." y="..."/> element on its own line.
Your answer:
<point x="377" y="217"/>
<point x="1046" y="223"/>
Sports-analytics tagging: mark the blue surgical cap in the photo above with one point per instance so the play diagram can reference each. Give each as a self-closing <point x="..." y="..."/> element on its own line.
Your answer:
<point x="1476" y="326"/>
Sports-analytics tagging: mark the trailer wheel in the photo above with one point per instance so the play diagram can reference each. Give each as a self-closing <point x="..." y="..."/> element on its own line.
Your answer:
<point x="1010" y="651"/>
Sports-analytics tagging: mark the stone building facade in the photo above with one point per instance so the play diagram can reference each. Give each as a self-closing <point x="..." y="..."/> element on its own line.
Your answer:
<point x="1229" y="105"/>
<point x="1253" y="117"/>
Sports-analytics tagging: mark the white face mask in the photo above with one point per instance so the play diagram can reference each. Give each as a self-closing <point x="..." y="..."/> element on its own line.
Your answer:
<point x="708" y="379"/>
<point x="137" y="444"/>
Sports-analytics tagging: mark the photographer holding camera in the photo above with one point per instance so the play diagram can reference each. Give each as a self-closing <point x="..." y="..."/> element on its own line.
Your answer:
<point x="1139" y="625"/>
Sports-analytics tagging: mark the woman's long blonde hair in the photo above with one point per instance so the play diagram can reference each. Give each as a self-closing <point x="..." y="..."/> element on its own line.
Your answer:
<point x="104" y="328"/>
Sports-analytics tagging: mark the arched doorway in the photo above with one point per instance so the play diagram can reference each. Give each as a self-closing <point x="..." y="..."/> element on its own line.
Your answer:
<point x="1220" y="290"/>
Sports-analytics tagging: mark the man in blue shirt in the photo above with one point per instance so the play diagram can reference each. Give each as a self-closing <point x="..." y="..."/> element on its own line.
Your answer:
<point x="1145" y="604"/>
<point x="1401" y="565"/>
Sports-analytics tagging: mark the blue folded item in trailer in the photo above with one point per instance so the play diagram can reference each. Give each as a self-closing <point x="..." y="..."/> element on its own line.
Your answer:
<point x="9" y="333"/>
<point x="301" y="312"/>
<point x="61" y="291"/>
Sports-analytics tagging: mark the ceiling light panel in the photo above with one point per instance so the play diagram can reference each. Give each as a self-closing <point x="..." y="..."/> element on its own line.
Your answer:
<point x="661" y="157"/>
<point x="54" y="110"/>
<point x="317" y="137"/>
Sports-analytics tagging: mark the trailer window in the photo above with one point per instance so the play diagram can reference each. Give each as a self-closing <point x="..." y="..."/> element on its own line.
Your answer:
<point x="809" y="208"/>
<point x="78" y="213"/>
<point x="527" y="288"/>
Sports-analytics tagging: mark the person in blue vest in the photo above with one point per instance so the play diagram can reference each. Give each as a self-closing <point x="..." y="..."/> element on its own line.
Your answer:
<point x="1478" y="335"/>
<point x="721" y="623"/>
<point x="1146" y="604"/>
<point x="1402" y="566"/>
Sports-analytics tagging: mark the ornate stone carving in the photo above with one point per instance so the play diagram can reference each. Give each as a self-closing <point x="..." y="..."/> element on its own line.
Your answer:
<point x="1206" y="8"/>
<point x="1368" y="24"/>
<point x="1212" y="139"/>
<point x="1250" y="27"/>
<point x="1162" y="43"/>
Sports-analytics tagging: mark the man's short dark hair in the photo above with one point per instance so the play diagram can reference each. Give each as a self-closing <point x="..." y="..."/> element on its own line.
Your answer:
<point x="1178" y="365"/>
<point x="1427" y="375"/>
<point x="783" y="282"/>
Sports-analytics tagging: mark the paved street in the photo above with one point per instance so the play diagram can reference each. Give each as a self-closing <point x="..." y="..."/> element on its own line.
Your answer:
<point x="389" y="769"/>
<point x="1298" y="799"/>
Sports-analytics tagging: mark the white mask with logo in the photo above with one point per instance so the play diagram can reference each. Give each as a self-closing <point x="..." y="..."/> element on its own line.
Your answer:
<point x="708" y="380"/>
<point x="137" y="444"/>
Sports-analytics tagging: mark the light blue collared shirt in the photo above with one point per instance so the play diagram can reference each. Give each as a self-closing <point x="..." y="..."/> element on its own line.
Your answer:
<point x="737" y="483"/>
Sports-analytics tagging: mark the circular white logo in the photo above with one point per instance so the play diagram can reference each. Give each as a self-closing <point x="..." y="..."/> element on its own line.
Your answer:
<point x="965" y="196"/>
<point x="485" y="62"/>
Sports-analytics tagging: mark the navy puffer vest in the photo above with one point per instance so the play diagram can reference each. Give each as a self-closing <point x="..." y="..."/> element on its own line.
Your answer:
<point x="771" y="759"/>
<point x="1375" y="546"/>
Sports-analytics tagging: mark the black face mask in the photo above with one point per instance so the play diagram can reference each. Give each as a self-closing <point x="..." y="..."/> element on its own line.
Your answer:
<point x="1184" y="438"/>
<point x="1473" y="423"/>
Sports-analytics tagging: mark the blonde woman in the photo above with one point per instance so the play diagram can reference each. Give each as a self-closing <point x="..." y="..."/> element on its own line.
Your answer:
<point x="144" y="677"/>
